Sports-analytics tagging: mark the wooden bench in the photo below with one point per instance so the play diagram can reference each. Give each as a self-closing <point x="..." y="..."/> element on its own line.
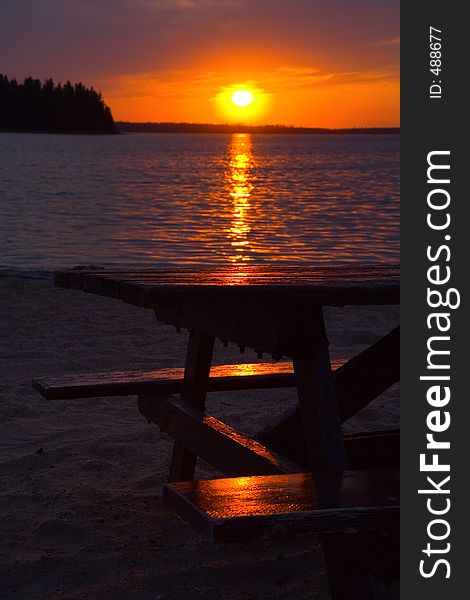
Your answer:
<point x="357" y="518"/>
<point x="166" y="381"/>
<point x="269" y="451"/>
<point x="241" y="509"/>
<point x="358" y="380"/>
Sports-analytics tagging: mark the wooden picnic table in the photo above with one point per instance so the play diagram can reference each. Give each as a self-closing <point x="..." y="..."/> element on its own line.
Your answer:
<point x="275" y="310"/>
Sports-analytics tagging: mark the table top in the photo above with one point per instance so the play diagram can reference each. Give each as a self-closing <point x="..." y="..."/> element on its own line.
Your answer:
<point x="276" y="285"/>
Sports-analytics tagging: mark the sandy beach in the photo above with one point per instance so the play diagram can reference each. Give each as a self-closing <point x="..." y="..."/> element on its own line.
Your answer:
<point x="80" y="509"/>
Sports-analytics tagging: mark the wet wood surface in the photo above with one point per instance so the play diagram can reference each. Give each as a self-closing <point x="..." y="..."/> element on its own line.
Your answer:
<point x="245" y="376"/>
<point x="242" y="509"/>
<point x="225" y="448"/>
<point x="282" y="286"/>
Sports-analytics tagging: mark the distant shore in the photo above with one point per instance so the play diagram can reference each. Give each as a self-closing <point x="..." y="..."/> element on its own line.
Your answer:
<point x="128" y="127"/>
<point x="60" y="132"/>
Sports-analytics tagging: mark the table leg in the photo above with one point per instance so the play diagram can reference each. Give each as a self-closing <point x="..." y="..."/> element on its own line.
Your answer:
<point x="357" y="382"/>
<point x="327" y="456"/>
<point x="196" y="375"/>
<point x="319" y="408"/>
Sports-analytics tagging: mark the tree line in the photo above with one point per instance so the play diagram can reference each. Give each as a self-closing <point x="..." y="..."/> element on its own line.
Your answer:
<point x="45" y="106"/>
<point x="127" y="127"/>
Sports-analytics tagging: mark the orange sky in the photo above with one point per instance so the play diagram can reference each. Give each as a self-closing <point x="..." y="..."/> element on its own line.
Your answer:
<point x="320" y="63"/>
<point x="332" y="100"/>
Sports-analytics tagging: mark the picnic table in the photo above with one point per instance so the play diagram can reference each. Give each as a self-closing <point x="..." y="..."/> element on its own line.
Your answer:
<point x="303" y="460"/>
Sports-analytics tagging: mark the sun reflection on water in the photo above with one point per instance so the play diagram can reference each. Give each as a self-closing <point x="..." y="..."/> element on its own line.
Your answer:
<point x="239" y="186"/>
<point x="169" y="200"/>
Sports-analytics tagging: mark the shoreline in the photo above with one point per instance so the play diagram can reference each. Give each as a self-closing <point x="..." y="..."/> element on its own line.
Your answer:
<point x="48" y="274"/>
<point x="131" y="128"/>
<point x="11" y="272"/>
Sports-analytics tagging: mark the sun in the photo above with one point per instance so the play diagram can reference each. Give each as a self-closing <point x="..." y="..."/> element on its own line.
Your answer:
<point x="242" y="102"/>
<point x="242" y="98"/>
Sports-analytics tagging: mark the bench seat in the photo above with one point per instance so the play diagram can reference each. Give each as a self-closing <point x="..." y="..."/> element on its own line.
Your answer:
<point x="166" y="381"/>
<point x="242" y="509"/>
<point x="371" y="449"/>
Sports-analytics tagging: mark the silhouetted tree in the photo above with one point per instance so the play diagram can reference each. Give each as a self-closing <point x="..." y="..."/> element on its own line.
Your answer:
<point x="36" y="106"/>
<point x="127" y="127"/>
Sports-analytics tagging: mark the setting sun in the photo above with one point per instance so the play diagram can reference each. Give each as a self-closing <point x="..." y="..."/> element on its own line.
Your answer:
<point x="242" y="98"/>
<point x="242" y="102"/>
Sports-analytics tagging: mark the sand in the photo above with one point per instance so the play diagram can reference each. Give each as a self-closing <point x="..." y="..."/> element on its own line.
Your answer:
<point x="80" y="508"/>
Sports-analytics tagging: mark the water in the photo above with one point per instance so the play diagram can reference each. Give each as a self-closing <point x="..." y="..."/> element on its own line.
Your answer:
<point x="201" y="199"/>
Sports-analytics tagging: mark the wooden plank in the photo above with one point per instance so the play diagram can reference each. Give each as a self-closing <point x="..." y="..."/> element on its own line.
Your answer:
<point x="236" y="275"/>
<point x="364" y="450"/>
<point x="318" y="407"/>
<point x="249" y="508"/>
<point x="357" y="383"/>
<point x="242" y="376"/>
<point x="368" y="374"/>
<point x="373" y="449"/>
<point x="286" y="286"/>
<point x="194" y="389"/>
<point x="279" y="331"/>
<point x="225" y="448"/>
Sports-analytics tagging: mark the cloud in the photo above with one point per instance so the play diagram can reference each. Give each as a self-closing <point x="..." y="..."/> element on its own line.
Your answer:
<point x="393" y="41"/>
<point x="294" y="77"/>
<point x="175" y="5"/>
<point x="187" y="84"/>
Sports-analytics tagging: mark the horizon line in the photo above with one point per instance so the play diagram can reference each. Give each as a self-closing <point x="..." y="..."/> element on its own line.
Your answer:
<point x="255" y="126"/>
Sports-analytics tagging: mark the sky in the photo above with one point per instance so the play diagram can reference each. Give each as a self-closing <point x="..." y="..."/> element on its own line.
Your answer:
<point x="319" y="63"/>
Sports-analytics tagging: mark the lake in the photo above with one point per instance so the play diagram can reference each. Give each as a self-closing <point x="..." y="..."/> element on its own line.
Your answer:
<point x="197" y="199"/>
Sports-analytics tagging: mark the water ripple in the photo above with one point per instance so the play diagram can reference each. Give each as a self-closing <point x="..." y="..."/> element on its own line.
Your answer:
<point x="163" y="199"/>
